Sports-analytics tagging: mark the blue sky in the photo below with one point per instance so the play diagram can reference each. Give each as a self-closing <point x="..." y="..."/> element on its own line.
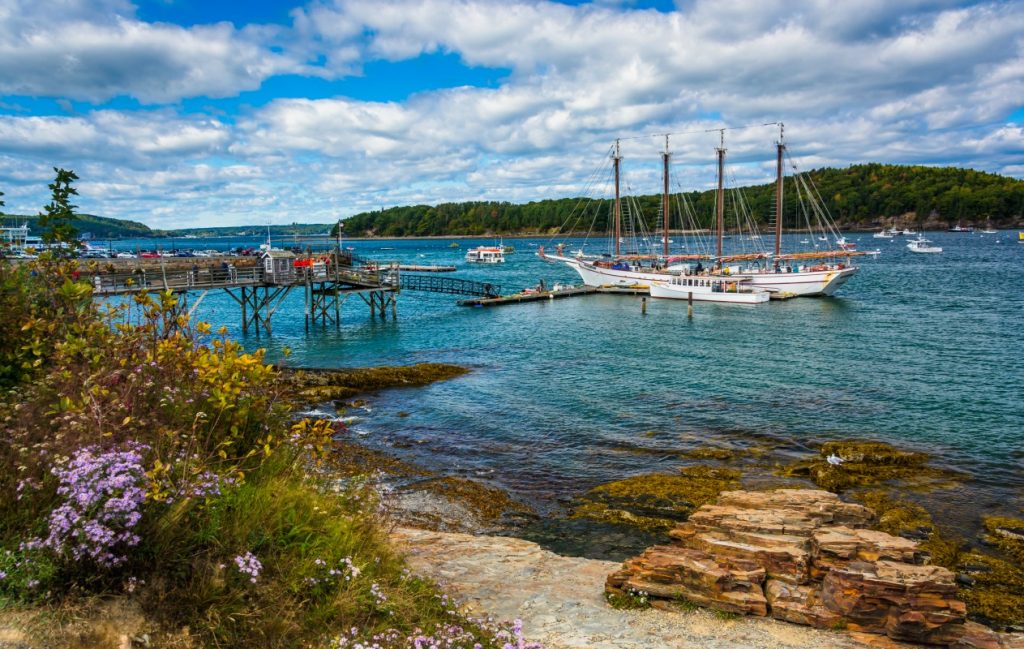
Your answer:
<point x="185" y="112"/>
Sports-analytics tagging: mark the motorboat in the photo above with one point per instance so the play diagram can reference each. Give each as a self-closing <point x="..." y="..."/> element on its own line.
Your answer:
<point x="921" y="245"/>
<point x="486" y="255"/>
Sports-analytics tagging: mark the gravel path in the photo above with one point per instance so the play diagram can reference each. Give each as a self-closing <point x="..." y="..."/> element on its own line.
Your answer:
<point x="560" y="600"/>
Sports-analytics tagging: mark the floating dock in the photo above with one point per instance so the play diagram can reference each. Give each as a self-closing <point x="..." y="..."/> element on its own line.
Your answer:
<point x="537" y="296"/>
<point x="427" y="269"/>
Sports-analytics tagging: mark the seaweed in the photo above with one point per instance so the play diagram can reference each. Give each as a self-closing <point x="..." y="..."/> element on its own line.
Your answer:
<point x="867" y="463"/>
<point x="655" y="501"/>
<point x="323" y="385"/>
<point x="488" y="503"/>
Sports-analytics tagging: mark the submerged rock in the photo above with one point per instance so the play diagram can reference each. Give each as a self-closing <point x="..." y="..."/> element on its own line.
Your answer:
<point x="655" y="501"/>
<point x="323" y="385"/>
<point x="865" y="463"/>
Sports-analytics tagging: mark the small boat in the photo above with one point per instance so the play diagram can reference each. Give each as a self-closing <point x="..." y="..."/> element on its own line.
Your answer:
<point x="963" y="230"/>
<point x="846" y="245"/>
<point x="884" y="234"/>
<point x="508" y="249"/>
<point x="920" y="244"/>
<point x="908" y="232"/>
<point x="709" y="289"/>
<point x="453" y="244"/>
<point x="486" y="255"/>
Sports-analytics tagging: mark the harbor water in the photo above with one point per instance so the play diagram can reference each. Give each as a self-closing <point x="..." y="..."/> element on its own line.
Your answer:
<point x="922" y="351"/>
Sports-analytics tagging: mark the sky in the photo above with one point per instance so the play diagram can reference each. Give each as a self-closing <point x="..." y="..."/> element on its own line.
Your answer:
<point x="194" y="113"/>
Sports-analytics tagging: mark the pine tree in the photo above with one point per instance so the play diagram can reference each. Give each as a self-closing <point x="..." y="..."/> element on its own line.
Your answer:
<point x="58" y="214"/>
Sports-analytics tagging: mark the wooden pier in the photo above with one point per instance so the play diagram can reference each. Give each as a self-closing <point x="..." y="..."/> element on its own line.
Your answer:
<point x="260" y="290"/>
<point x="537" y="296"/>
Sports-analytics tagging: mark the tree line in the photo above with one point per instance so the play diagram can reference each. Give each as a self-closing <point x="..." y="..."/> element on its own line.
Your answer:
<point x="865" y="195"/>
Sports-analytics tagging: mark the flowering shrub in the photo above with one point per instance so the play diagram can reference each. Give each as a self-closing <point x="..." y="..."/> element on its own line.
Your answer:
<point x="151" y="458"/>
<point x="103" y="493"/>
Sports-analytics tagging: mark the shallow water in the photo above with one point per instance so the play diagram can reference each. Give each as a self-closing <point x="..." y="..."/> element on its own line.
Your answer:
<point x="924" y="351"/>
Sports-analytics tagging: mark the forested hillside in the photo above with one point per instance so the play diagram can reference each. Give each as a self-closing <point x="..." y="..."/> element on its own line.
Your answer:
<point x="858" y="196"/>
<point x="100" y="227"/>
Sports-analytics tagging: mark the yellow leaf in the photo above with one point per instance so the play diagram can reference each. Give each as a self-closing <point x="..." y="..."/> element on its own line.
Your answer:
<point x="126" y="421"/>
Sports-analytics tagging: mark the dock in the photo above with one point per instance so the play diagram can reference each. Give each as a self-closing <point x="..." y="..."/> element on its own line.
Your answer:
<point x="414" y="268"/>
<point x="537" y="296"/>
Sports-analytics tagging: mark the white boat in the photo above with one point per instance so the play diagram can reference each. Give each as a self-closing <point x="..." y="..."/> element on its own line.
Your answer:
<point x="802" y="274"/>
<point x="908" y="232"/>
<point x="884" y="234"/>
<point x="920" y="244"/>
<point x="709" y="289"/>
<point x="486" y="255"/>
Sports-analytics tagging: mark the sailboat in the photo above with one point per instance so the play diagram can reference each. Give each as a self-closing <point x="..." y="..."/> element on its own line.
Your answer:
<point x="806" y="273"/>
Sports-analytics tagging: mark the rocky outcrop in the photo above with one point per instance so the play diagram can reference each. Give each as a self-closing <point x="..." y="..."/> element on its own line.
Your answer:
<point x="802" y="556"/>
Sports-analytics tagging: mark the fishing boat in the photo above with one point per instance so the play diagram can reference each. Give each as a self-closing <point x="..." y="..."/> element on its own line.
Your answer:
<point x="884" y="234"/>
<point x="921" y="245"/>
<point x="486" y="255"/>
<point x="967" y="229"/>
<point x="709" y="289"/>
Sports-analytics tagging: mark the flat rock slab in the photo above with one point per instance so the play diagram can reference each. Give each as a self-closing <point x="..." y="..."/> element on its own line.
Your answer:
<point x="561" y="600"/>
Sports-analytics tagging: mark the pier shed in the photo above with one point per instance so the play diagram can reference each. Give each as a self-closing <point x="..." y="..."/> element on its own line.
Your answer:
<point x="278" y="266"/>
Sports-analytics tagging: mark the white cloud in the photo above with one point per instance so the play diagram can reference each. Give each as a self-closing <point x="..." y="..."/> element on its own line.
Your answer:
<point x="922" y="81"/>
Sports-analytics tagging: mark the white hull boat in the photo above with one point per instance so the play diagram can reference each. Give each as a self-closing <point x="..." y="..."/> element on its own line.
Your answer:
<point x="486" y="255"/>
<point x="921" y="245"/>
<point x="708" y="289"/>
<point x="804" y="281"/>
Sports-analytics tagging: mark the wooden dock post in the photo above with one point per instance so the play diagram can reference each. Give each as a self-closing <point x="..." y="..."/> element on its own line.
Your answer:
<point x="689" y="305"/>
<point x="643" y="306"/>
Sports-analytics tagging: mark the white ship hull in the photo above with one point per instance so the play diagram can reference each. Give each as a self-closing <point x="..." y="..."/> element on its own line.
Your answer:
<point x="596" y="276"/>
<point x="801" y="283"/>
<point x="703" y="290"/>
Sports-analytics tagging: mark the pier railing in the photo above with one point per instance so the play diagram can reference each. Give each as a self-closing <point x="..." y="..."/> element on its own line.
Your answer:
<point x="213" y="278"/>
<point x="448" y="285"/>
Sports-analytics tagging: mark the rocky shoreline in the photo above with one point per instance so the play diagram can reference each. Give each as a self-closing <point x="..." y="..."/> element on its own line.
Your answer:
<point x="635" y="512"/>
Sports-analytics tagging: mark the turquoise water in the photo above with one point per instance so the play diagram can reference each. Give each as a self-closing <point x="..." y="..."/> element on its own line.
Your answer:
<point x="924" y="351"/>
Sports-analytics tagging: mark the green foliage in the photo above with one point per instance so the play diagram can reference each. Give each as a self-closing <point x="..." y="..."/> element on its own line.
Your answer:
<point x="628" y="601"/>
<point x="40" y="304"/>
<point x="59" y="212"/>
<point x="855" y="195"/>
<point x="236" y="537"/>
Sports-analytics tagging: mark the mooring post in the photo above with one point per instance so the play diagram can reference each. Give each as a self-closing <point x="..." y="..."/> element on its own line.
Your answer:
<point x="306" y="295"/>
<point x="689" y="305"/>
<point x="245" y="314"/>
<point x="643" y="306"/>
<point x="394" y="306"/>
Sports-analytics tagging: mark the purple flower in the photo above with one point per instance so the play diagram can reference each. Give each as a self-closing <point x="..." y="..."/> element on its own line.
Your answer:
<point x="248" y="564"/>
<point x="103" y="494"/>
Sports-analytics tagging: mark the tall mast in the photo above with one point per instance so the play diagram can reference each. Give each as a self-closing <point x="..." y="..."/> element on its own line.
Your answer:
<point x="720" y="196"/>
<point x="664" y="200"/>
<point x="618" y="208"/>
<point x="778" y="192"/>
